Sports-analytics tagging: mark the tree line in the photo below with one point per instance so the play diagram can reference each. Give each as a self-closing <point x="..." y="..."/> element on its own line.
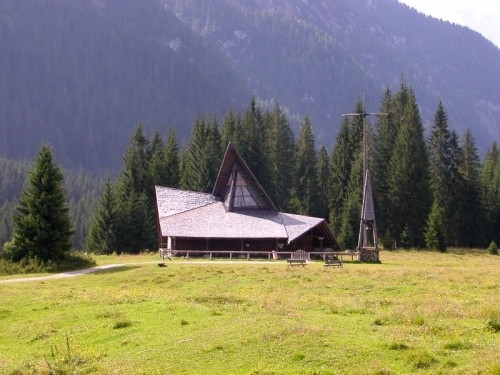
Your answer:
<point x="430" y="191"/>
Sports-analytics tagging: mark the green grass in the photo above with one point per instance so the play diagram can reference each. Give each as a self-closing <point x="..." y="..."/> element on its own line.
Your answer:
<point x="417" y="312"/>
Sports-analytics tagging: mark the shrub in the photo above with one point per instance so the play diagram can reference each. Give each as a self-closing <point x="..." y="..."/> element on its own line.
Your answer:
<point x="493" y="325"/>
<point x="457" y="345"/>
<point x="422" y="360"/>
<point x="398" y="346"/>
<point x="493" y="248"/>
<point x="69" y="262"/>
<point x="122" y="324"/>
<point x="298" y="357"/>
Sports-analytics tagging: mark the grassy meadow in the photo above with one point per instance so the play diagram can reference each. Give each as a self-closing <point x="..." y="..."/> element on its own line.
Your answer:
<point x="417" y="312"/>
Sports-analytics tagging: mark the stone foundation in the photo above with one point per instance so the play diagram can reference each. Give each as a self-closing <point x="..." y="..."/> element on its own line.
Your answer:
<point x="368" y="255"/>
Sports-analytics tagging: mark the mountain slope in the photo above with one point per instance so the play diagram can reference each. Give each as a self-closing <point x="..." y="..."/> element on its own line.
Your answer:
<point x="379" y="41"/>
<point x="81" y="74"/>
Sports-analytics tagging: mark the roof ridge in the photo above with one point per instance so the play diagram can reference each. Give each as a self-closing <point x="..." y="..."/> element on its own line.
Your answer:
<point x="184" y="190"/>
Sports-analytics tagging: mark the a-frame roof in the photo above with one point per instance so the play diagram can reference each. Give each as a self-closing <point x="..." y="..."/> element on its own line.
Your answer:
<point x="221" y="214"/>
<point x="235" y="172"/>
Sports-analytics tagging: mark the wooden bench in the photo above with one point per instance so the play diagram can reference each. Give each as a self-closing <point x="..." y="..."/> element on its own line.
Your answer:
<point x="333" y="263"/>
<point x="296" y="262"/>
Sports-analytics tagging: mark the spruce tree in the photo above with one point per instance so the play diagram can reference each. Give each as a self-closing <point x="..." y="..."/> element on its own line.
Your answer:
<point x="102" y="236"/>
<point x="231" y="130"/>
<point x="435" y="238"/>
<point x="408" y="179"/>
<point x="281" y="158"/>
<point x="347" y="149"/>
<point x="305" y="194"/>
<point x="340" y="170"/>
<point x="350" y="216"/>
<point x="490" y="182"/>
<point x="445" y="179"/>
<point x="323" y="177"/>
<point x="469" y="211"/>
<point x="254" y="143"/>
<point x="172" y="162"/>
<point x="384" y="140"/>
<point x="42" y="226"/>
<point x="157" y="162"/>
<point x="135" y="177"/>
<point x="201" y="159"/>
<point x="136" y="230"/>
<point x="164" y="162"/>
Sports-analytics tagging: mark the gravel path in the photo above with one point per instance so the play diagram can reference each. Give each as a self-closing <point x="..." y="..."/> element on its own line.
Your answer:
<point x="61" y="275"/>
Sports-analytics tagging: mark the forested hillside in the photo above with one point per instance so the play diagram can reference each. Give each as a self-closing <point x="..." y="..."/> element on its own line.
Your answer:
<point x="81" y="74"/>
<point x="314" y="57"/>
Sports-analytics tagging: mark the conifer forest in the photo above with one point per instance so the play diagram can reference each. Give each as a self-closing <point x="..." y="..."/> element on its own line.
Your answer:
<point x="431" y="189"/>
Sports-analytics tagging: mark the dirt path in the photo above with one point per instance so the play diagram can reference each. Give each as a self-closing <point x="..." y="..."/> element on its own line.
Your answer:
<point x="62" y="275"/>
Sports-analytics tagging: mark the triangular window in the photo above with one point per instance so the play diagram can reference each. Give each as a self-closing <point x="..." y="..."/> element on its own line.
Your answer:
<point x="243" y="198"/>
<point x="239" y="192"/>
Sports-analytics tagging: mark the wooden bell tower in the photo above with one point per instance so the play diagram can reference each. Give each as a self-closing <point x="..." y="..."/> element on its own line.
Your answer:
<point x="367" y="238"/>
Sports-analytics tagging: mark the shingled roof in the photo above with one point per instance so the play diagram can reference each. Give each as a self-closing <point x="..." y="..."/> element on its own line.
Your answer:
<point x="237" y="208"/>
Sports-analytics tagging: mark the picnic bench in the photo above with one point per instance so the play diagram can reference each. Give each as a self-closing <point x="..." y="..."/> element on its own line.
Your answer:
<point x="333" y="263"/>
<point x="298" y="258"/>
<point x="296" y="262"/>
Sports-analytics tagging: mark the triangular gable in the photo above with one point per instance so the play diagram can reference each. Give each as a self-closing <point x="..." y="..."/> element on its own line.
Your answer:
<point x="237" y="186"/>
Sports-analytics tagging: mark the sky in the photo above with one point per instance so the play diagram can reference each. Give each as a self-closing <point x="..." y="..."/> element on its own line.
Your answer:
<point x="479" y="15"/>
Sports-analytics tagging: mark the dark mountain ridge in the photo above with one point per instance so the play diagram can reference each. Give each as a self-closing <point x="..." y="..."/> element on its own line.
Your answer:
<point x="81" y="74"/>
<point x="385" y="41"/>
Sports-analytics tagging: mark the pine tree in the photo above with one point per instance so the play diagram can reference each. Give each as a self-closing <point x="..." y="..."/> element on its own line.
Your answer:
<point x="347" y="149"/>
<point x="102" y="236"/>
<point x="435" y="238"/>
<point x="490" y="182"/>
<point x="351" y="212"/>
<point x="254" y="144"/>
<point x="305" y="194"/>
<point x="281" y="158"/>
<point x="42" y="227"/>
<point x="6" y="225"/>
<point x="384" y="140"/>
<point x="340" y="170"/>
<point x="408" y="181"/>
<point x="202" y="156"/>
<point x="164" y="162"/>
<point x="135" y="177"/>
<point x="323" y="177"/>
<point x="172" y="162"/>
<point x="231" y="129"/>
<point x="469" y="208"/>
<point x="445" y="179"/>
<point x="157" y="160"/>
<point x="136" y="230"/>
